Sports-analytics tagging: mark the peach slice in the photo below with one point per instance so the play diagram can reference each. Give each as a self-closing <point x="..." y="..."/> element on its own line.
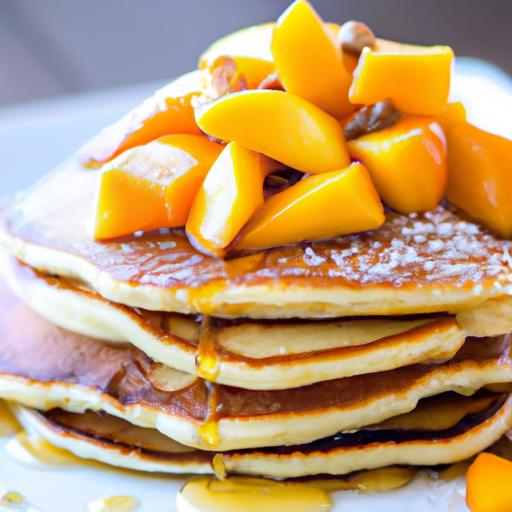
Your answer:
<point x="152" y="186"/>
<point x="416" y="78"/>
<point x="228" y="197"/>
<point x="309" y="61"/>
<point x="280" y="125"/>
<point x="317" y="207"/>
<point x="480" y="176"/>
<point x="168" y="111"/>
<point x="407" y="163"/>
<point x="488" y="484"/>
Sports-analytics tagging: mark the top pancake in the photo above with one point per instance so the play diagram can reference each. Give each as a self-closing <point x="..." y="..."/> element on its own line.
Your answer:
<point x="419" y="263"/>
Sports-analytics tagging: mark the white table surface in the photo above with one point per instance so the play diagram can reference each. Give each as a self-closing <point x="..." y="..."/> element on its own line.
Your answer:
<point x="36" y="137"/>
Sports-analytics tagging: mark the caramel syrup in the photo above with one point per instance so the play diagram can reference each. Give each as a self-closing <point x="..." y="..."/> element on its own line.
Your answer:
<point x="35" y="451"/>
<point x="114" y="504"/>
<point x="251" y="495"/>
<point x="209" y="429"/>
<point x="8" y="423"/>
<point x="207" y="361"/>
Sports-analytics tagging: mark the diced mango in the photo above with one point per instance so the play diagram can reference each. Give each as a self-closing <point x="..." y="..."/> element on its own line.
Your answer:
<point x="416" y="78"/>
<point x="152" y="186"/>
<point x="488" y="484"/>
<point x="452" y="114"/>
<point x="480" y="176"/>
<point x="280" y="125"/>
<point x="228" y="197"/>
<point x="309" y="61"/>
<point x="168" y="111"/>
<point x="317" y="207"/>
<point x="407" y="163"/>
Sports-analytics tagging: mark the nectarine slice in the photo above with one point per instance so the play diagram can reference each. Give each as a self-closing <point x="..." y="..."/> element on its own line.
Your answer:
<point x="453" y="113"/>
<point x="407" y="163"/>
<point x="228" y="197"/>
<point x="416" y="78"/>
<point x="308" y="60"/>
<point x="488" y="484"/>
<point x="152" y="186"/>
<point x="168" y="111"/>
<point x="480" y="176"/>
<point x="280" y="125"/>
<point x="317" y="207"/>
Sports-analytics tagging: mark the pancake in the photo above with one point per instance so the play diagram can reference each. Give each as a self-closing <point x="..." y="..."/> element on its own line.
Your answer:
<point x="420" y="263"/>
<point x="44" y="366"/>
<point x="465" y="427"/>
<point x="246" y="354"/>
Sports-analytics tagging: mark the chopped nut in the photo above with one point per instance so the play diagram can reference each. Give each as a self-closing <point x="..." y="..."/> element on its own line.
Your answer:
<point x="354" y="36"/>
<point x="225" y="77"/>
<point x="371" y="119"/>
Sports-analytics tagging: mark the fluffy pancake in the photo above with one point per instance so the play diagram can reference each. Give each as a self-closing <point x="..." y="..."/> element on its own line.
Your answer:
<point x="44" y="366"/>
<point x="419" y="263"/>
<point x="466" y="426"/>
<point x="246" y="354"/>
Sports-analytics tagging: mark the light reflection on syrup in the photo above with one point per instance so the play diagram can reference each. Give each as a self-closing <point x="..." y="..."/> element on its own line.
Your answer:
<point x="13" y="500"/>
<point x="251" y="495"/>
<point x="114" y="504"/>
<point x="36" y="452"/>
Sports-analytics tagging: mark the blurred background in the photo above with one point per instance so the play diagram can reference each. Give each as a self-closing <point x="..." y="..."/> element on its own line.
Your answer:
<point x="70" y="67"/>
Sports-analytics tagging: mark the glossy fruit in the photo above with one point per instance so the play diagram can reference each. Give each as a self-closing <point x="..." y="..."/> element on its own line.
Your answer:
<point x="168" y="111"/>
<point x="452" y="114"/>
<point x="416" y="78"/>
<point x="317" y="207"/>
<point x="309" y="61"/>
<point x="488" y="484"/>
<point x="280" y="125"/>
<point x="228" y="197"/>
<point x="152" y="186"/>
<point x="407" y="163"/>
<point x="480" y="176"/>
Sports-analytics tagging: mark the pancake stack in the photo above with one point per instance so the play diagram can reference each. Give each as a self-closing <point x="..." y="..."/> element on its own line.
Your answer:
<point x="321" y="358"/>
<point x="388" y="347"/>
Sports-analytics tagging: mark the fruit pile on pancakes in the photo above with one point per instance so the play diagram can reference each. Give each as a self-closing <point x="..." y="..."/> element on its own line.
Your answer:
<point x="291" y="262"/>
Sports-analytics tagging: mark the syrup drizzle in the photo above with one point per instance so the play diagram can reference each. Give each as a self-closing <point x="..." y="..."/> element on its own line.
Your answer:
<point x="114" y="504"/>
<point x="207" y="361"/>
<point x="209" y="429"/>
<point x="8" y="423"/>
<point x="13" y="500"/>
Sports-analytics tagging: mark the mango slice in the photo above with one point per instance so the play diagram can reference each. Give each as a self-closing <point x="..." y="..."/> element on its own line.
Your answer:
<point x="416" y="78"/>
<point x="407" y="163"/>
<point x="228" y="197"/>
<point x="480" y="176"/>
<point x="280" y="125"/>
<point x="152" y="186"/>
<point x="168" y="111"/>
<point x="317" y="207"/>
<point x="488" y="484"/>
<point x="309" y="61"/>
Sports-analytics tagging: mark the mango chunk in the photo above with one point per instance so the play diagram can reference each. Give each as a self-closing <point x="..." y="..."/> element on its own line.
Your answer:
<point x="488" y="484"/>
<point x="453" y="113"/>
<point x="317" y="207"/>
<point x="407" y="163"/>
<point x="152" y="186"/>
<point x="228" y="197"/>
<point x="169" y="111"/>
<point x="416" y="78"/>
<point x="280" y="125"/>
<point x="309" y="61"/>
<point x="480" y="176"/>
